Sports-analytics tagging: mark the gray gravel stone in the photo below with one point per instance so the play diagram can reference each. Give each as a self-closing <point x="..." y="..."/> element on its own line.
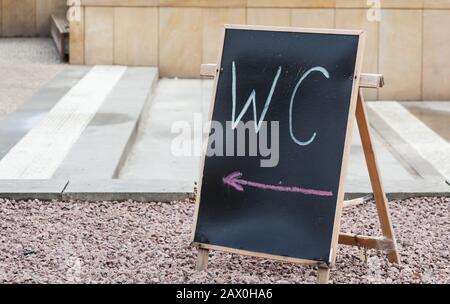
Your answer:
<point x="132" y="242"/>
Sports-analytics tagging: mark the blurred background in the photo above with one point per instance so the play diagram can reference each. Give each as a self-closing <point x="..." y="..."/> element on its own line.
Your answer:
<point x="407" y="41"/>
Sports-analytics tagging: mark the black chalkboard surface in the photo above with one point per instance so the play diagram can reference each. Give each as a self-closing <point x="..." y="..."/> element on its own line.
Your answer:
<point x="305" y="81"/>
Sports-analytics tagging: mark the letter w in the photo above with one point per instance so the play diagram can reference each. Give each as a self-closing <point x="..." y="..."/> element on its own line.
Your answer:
<point x="251" y="101"/>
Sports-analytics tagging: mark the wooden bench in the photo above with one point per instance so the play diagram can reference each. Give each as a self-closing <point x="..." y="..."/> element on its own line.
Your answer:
<point x="59" y="30"/>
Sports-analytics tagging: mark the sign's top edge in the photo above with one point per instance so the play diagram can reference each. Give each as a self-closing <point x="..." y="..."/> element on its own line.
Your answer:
<point x="295" y="29"/>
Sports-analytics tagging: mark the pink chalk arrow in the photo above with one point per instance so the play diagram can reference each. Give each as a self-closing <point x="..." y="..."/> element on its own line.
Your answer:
<point x="234" y="180"/>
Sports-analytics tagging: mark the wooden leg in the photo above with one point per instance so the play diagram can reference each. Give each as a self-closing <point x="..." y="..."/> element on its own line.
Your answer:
<point x="202" y="259"/>
<point x="375" y="179"/>
<point x="323" y="275"/>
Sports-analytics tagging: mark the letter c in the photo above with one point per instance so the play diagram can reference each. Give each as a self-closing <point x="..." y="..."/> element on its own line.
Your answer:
<point x="315" y="69"/>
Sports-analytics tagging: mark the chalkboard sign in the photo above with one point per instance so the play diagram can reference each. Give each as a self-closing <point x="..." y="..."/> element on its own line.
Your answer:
<point x="294" y="90"/>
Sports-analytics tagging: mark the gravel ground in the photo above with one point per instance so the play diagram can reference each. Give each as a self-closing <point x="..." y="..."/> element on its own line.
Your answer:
<point x="132" y="242"/>
<point x="25" y="64"/>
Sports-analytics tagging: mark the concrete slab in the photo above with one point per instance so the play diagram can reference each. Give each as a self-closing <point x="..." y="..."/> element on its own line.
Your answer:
<point x="15" y="126"/>
<point x="38" y="154"/>
<point x="47" y="189"/>
<point x="424" y="141"/>
<point x="165" y="191"/>
<point x="151" y="157"/>
<point x="403" y="152"/>
<point x="443" y="106"/>
<point x="401" y="189"/>
<point x="152" y="172"/>
<point x="102" y="147"/>
<point x="434" y="114"/>
<point x="390" y="167"/>
<point x="180" y="100"/>
<point x="118" y="190"/>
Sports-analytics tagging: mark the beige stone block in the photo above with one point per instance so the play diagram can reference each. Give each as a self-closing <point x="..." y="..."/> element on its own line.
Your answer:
<point x="121" y="3"/>
<point x="59" y="5"/>
<point x="44" y="9"/>
<point x="1" y="22"/>
<point x="402" y="4"/>
<point x="436" y="55"/>
<point x="203" y="3"/>
<point x="436" y="4"/>
<point x="357" y="19"/>
<point x="269" y="16"/>
<point x="98" y="48"/>
<point x="136" y="36"/>
<point x="180" y="37"/>
<point x="19" y="17"/>
<point x="76" y="44"/>
<point x="214" y="20"/>
<point x="292" y="3"/>
<point x="400" y="58"/>
<point x="310" y="17"/>
<point x="351" y="4"/>
<point x="417" y="4"/>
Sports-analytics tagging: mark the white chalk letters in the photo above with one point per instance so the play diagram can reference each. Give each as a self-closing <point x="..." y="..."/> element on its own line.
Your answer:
<point x="252" y="101"/>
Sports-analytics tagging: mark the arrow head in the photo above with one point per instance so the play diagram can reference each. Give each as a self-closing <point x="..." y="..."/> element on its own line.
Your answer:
<point x="233" y="180"/>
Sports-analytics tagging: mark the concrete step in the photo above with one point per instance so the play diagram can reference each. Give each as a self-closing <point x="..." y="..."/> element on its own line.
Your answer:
<point x="403" y="168"/>
<point x="95" y="190"/>
<point x="159" y="190"/>
<point x="176" y="101"/>
<point x="15" y="126"/>
<point x="423" y="140"/>
<point x="154" y="190"/>
<point x="86" y="132"/>
<point x="102" y="147"/>
<point x="98" y="134"/>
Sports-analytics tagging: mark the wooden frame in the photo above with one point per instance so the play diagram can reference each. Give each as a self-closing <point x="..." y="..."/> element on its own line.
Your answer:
<point x="357" y="109"/>
<point x="371" y="81"/>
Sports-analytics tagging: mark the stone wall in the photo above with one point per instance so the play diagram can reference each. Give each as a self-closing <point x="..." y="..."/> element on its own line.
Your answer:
<point x="410" y="44"/>
<point x="27" y="17"/>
